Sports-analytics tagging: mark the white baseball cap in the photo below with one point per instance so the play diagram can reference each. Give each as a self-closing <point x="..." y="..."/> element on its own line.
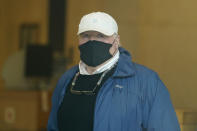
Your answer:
<point x="98" y="21"/>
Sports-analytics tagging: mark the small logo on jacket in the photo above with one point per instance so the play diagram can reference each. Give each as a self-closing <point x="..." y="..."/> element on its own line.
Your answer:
<point x="119" y="86"/>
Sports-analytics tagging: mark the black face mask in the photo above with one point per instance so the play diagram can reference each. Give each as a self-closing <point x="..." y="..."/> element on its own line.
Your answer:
<point x="94" y="53"/>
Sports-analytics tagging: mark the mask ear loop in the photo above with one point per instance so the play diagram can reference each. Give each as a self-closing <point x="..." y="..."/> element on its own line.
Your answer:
<point x="115" y="45"/>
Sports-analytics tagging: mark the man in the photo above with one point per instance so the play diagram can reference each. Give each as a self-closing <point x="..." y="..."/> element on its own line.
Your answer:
<point x="107" y="91"/>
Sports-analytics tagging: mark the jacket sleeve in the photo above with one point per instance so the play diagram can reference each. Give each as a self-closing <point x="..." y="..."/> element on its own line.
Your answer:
<point x="159" y="111"/>
<point x="57" y="95"/>
<point x="52" y="121"/>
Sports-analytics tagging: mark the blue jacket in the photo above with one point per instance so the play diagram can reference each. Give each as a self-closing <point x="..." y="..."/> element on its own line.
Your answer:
<point x="132" y="99"/>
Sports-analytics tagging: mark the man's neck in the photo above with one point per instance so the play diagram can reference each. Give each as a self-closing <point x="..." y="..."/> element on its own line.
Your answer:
<point x="91" y="69"/>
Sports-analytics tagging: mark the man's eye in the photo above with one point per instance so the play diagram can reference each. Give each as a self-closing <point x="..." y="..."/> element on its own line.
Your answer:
<point x="100" y="36"/>
<point x="85" y="35"/>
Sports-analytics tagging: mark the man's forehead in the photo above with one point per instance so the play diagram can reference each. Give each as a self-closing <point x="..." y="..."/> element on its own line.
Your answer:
<point x="93" y="33"/>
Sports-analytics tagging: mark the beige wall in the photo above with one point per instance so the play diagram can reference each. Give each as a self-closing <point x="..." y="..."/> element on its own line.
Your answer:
<point x="167" y="43"/>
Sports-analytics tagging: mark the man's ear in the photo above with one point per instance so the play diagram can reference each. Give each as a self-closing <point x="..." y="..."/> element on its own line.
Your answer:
<point x="118" y="41"/>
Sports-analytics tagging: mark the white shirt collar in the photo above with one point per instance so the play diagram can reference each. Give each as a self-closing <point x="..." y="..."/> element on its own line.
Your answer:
<point x="109" y="64"/>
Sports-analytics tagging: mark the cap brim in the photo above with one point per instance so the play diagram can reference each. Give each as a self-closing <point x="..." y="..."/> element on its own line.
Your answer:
<point x="107" y="33"/>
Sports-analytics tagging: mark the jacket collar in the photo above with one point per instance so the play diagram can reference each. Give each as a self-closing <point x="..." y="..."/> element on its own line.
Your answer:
<point x="125" y="67"/>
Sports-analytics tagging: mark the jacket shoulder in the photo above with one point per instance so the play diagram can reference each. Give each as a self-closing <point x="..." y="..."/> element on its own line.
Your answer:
<point x="149" y="80"/>
<point x="144" y="71"/>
